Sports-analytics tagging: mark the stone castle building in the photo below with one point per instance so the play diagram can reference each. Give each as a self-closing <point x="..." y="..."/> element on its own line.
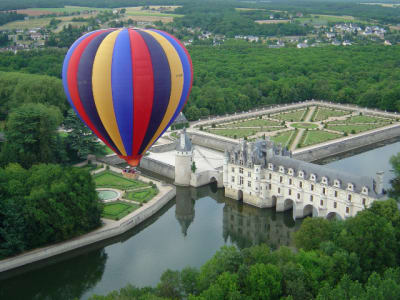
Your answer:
<point x="265" y="175"/>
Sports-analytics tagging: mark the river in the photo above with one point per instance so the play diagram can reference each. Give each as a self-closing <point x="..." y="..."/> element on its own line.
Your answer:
<point x="186" y="232"/>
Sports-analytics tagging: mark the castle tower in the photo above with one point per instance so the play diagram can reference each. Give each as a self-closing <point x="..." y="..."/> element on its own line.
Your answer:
<point x="183" y="160"/>
<point x="257" y="178"/>
<point x="379" y="182"/>
<point x="225" y="168"/>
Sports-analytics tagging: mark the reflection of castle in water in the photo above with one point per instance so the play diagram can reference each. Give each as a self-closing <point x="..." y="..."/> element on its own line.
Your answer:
<point x="243" y="224"/>
<point x="246" y="225"/>
<point x="184" y="209"/>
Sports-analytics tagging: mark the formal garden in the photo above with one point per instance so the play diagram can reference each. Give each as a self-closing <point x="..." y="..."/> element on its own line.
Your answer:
<point x="298" y="128"/>
<point x="134" y="193"/>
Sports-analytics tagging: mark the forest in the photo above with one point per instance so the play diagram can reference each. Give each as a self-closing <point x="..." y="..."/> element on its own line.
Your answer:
<point x="238" y="76"/>
<point x="358" y="258"/>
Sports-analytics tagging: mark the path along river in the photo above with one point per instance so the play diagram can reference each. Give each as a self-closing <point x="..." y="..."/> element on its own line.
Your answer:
<point x="186" y="232"/>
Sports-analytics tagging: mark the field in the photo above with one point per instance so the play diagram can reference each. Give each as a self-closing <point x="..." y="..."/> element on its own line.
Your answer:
<point x="91" y="167"/>
<point x="304" y="125"/>
<point x="39" y="23"/>
<point x="271" y="21"/>
<point x="313" y="137"/>
<point x="325" y="113"/>
<point x="293" y="116"/>
<point x="57" y="10"/>
<point x="114" y="180"/>
<point x="317" y="19"/>
<point x="284" y="138"/>
<point x="141" y="196"/>
<point x="118" y="210"/>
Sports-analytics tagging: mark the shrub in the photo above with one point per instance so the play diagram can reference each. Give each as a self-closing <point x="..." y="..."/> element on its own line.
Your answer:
<point x="352" y="131"/>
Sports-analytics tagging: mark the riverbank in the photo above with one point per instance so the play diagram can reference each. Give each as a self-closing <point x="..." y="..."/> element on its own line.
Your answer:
<point x="108" y="230"/>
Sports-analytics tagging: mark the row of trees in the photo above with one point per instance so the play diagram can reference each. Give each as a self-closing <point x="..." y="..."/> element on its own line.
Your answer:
<point x="354" y="259"/>
<point x="45" y="204"/>
<point x="10" y="16"/>
<point x="223" y="18"/>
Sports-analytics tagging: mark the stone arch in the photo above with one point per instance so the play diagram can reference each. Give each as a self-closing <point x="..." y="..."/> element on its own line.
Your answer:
<point x="274" y="200"/>
<point x="310" y="210"/>
<point x="213" y="184"/>
<point x="333" y="215"/>
<point x="240" y="195"/>
<point x="288" y="204"/>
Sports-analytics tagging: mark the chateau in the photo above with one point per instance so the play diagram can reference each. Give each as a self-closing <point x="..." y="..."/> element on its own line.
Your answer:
<point x="265" y="175"/>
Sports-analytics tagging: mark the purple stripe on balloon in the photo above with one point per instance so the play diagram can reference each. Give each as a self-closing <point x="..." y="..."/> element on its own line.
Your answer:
<point x="122" y="88"/>
<point x="162" y="86"/>
<point x="65" y="68"/>
<point x="187" y="74"/>
<point x="84" y="77"/>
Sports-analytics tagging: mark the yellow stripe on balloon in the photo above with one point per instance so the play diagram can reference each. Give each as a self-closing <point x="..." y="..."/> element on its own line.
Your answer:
<point x="102" y="92"/>
<point x="175" y="66"/>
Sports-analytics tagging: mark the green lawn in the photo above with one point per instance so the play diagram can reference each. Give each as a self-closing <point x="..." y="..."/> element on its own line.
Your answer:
<point x="304" y="125"/>
<point x="252" y="123"/>
<point x="142" y="196"/>
<point x="114" y="180"/>
<point x="283" y="138"/>
<point x="355" y="128"/>
<point x="313" y="137"/>
<point x="325" y="113"/>
<point x="233" y="133"/>
<point x="292" y="116"/>
<point x="367" y="119"/>
<point x="118" y="210"/>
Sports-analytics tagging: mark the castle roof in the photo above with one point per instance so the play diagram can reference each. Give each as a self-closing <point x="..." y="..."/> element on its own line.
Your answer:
<point x="184" y="144"/>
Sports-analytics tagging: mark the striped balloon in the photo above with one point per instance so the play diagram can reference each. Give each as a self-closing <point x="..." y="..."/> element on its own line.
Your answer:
<point x="127" y="86"/>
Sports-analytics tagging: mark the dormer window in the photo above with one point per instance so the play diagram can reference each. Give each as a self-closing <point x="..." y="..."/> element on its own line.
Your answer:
<point x="270" y="166"/>
<point x="301" y="174"/>
<point x="281" y="169"/>
<point x="324" y="180"/>
<point x="336" y="183"/>
<point x="291" y="171"/>
<point x="312" y="177"/>
<point x="350" y="187"/>
<point x="365" y="190"/>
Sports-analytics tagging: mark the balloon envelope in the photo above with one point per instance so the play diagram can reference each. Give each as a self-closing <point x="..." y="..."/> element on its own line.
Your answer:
<point x="128" y="86"/>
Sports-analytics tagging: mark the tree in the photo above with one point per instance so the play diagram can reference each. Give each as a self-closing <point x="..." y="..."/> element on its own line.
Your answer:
<point x="312" y="233"/>
<point x="264" y="282"/>
<point x="395" y="182"/>
<point x="31" y="135"/>
<point x="79" y="137"/>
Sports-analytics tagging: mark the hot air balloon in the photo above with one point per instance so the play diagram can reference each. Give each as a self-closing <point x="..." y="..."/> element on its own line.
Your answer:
<point x="128" y="86"/>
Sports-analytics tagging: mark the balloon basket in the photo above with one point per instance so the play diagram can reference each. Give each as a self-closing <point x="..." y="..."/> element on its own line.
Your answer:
<point x="130" y="173"/>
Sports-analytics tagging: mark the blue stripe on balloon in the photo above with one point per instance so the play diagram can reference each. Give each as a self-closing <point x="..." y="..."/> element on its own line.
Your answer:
<point x="187" y="74"/>
<point x="122" y="88"/>
<point x="84" y="78"/>
<point x="162" y="86"/>
<point x="65" y="69"/>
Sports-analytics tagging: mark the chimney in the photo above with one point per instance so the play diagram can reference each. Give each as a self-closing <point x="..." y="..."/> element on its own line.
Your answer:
<point x="379" y="182"/>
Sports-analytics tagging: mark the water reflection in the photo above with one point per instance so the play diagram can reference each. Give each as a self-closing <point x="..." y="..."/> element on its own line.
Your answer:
<point x="184" y="208"/>
<point x="74" y="280"/>
<point x="247" y="225"/>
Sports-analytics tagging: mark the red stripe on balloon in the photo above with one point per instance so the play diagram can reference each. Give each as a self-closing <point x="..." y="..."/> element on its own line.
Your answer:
<point x="73" y="84"/>
<point x="143" y="88"/>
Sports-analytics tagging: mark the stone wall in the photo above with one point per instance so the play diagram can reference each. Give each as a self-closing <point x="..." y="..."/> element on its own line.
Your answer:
<point x="164" y="147"/>
<point x="351" y="143"/>
<point x="211" y="141"/>
<point x="158" y="167"/>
